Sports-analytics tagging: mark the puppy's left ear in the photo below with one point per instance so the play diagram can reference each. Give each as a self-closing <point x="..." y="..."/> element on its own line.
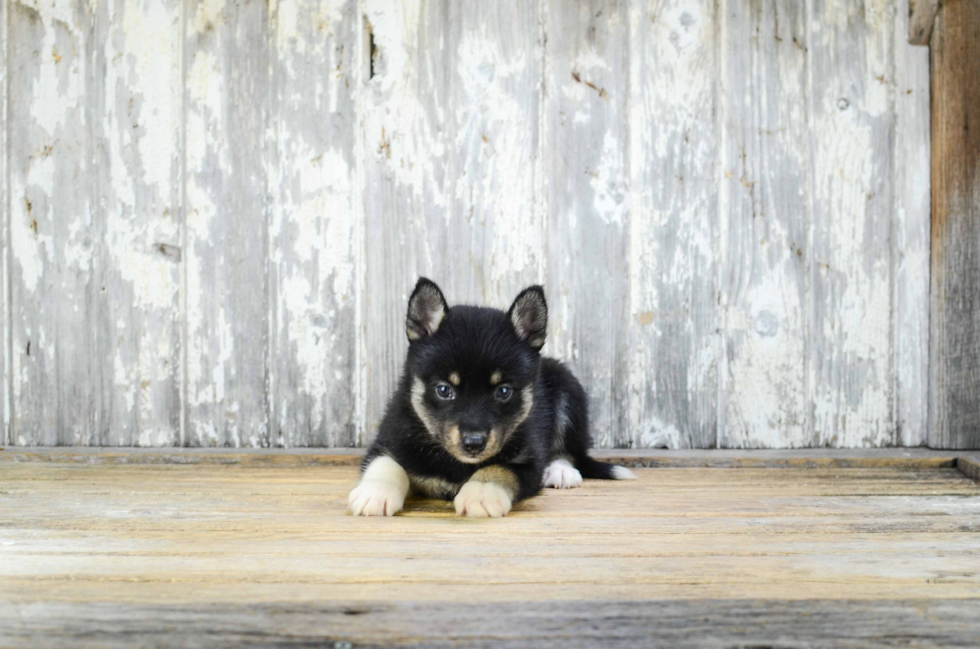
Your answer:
<point x="529" y="315"/>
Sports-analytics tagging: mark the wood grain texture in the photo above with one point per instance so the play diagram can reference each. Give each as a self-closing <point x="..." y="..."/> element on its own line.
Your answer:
<point x="450" y="139"/>
<point x="585" y="170"/>
<point x="954" y="385"/>
<point x="674" y="153"/>
<point x="5" y="251"/>
<point x="227" y="293"/>
<point x="919" y="459"/>
<point x="850" y="368"/>
<point x="269" y="549"/>
<point x="95" y="223"/>
<point x="716" y="624"/>
<point x="56" y="289"/>
<point x="765" y="215"/>
<point x="910" y="239"/>
<point x="921" y="16"/>
<point x="969" y="466"/>
<point x="217" y="210"/>
<point x="137" y="115"/>
<point x="314" y="190"/>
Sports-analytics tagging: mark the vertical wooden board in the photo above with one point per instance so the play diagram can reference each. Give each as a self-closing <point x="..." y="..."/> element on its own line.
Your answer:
<point x="4" y="236"/>
<point x="406" y="149"/>
<point x="584" y="145"/>
<point x="910" y="252"/>
<point x="313" y="175"/>
<point x="850" y="374"/>
<point x="450" y="112"/>
<point x="918" y="17"/>
<point x="674" y="153"/>
<point x="763" y="252"/>
<point x="954" y="364"/>
<point x="493" y="103"/>
<point x="57" y="290"/>
<point x="138" y="120"/>
<point x="227" y="303"/>
<point x="94" y="228"/>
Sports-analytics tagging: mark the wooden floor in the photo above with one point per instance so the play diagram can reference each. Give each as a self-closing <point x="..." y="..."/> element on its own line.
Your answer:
<point x="105" y="552"/>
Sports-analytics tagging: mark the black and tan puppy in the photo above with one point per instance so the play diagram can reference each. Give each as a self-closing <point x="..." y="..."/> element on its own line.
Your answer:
<point x="479" y="416"/>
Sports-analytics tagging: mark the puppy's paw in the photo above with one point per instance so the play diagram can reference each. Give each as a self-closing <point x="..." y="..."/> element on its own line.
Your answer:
<point x="482" y="499"/>
<point x="622" y="473"/>
<point x="560" y="474"/>
<point x="375" y="498"/>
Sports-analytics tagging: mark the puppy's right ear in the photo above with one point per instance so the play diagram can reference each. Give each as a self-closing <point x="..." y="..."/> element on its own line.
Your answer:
<point x="529" y="315"/>
<point x="426" y="309"/>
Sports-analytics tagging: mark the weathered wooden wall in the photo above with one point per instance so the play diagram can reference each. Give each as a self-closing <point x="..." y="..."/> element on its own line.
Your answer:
<point x="955" y="361"/>
<point x="214" y="212"/>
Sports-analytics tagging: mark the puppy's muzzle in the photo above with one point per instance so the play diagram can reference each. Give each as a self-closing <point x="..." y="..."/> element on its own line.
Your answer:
<point x="473" y="443"/>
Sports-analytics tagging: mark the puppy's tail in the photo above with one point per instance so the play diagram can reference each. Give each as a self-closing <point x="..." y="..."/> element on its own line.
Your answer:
<point x="596" y="470"/>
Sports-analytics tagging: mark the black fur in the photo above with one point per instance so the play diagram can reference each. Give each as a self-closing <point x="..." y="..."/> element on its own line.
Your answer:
<point x="471" y="344"/>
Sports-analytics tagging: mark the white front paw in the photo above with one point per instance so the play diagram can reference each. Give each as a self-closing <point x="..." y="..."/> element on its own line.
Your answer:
<point x="482" y="499"/>
<point x="375" y="498"/>
<point x="560" y="474"/>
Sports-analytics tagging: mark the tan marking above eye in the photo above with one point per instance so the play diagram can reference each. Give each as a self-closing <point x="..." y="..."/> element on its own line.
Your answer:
<point x="454" y="378"/>
<point x="495" y="378"/>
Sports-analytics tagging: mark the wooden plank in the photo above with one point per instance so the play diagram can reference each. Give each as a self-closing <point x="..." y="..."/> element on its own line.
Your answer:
<point x="57" y="287"/>
<point x="797" y="458"/>
<point x="673" y="623"/>
<point x="921" y="16"/>
<point x="227" y="296"/>
<point x="851" y="357"/>
<point x="95" y="232"/>
<point x="159" y="543"/>
<point x="450" y="138"/>
<point x="954" y="386"/>
<point x="910" y="242"/>
<point x="969" y="465"/>
<point x="313" y="252"/>
<point x="584" y="145"/>
<point x="5" y="252"/>
<point x="137" y="115"/>
<point x="765" y="214"/>
<point x="846" y="493"/>
<point x="192" y="456"/>
<point x="674" y="345"/>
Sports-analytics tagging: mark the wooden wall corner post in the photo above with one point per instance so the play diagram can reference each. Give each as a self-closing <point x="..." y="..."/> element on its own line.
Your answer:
<point x="954" y="358"/>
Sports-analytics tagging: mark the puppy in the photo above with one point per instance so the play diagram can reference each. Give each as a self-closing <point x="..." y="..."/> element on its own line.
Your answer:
<point x="479" y="416"/>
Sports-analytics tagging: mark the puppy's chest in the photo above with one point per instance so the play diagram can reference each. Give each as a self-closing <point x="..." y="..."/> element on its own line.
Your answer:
<point x="434" y="487"/>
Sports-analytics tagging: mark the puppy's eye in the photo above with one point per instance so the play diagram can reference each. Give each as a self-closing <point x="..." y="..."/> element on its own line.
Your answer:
<point x="445" y="391"/>
<point x="504" y="393"/>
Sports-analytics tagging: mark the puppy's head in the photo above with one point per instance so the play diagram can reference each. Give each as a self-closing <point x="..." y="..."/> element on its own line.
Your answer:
<point x="473" y="369"/>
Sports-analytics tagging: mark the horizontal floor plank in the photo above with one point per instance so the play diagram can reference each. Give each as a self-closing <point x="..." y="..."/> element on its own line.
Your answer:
<point x="123" y="553"/>
<point x="667" y="622"/>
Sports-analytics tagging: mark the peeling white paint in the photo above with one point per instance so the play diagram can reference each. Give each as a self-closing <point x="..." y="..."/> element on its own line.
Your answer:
<point x="733" y="233"/>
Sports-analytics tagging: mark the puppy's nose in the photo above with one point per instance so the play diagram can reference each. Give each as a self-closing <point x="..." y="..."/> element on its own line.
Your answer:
<point x="473" y="443"/>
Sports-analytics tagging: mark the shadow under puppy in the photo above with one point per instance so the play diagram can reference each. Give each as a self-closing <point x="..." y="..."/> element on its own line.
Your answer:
<point x="479" y="416"/>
